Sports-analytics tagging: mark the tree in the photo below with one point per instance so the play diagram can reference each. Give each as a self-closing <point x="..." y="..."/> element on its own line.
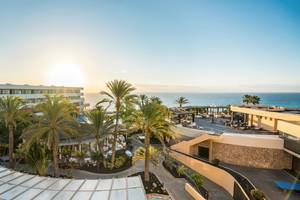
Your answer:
<point x="152" y="120"/>
<point x="156" y="99"/>
<point x="140" y="154"/>
<point x="255" y="100"/>
<point x="247" y="99"/>
<point x="181" y="101"/>
<point x="37" y="158"/>
<point x="11" y="112"/>
<point x="119" y="91"/>
<point x="251" y="99"/>
<point x="56" y="120"/>
<point x="101" y="126"/>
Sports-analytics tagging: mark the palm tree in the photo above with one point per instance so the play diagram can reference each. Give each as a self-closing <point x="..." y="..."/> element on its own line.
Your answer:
<point x="101" y="126"/>
<point x="55" y="120"/>
<point x="156" y="99"/>
<point x="247" y="99"/>
<point x="140" y="152"/>
<point x="181" y="101"/>
<point x="119" y="90"/>
<point x="251" y="99"/>
<point x="255" y="100"/>
<point x="11" y="112"/>
<point x="152" y="120"/>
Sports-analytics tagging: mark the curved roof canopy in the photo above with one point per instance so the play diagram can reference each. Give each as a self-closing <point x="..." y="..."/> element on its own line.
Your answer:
<point x="20" y="186"/>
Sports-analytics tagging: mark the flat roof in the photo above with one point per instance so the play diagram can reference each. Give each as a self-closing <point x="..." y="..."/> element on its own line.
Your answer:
<point x="20" y="186"/>
<point x="276" y="109"/>
<point x="26" y="86"/>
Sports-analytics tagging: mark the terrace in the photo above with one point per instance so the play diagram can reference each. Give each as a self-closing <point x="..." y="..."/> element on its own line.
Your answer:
<point x="211" y="129"/>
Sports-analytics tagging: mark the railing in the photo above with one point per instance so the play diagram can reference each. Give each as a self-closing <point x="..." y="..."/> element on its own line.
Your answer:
<point x="292" y="145"/>
<point x="242" y="190"/>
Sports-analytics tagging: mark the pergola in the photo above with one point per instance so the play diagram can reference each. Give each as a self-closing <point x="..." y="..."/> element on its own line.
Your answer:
<point x="21" y="186"/>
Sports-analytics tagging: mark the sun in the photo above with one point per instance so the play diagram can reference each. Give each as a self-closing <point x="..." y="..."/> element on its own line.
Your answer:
<point x="65" y="75"/>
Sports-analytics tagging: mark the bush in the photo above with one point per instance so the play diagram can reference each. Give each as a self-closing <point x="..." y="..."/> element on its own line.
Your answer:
<point x="215" y="162"/>
<point x="181" y="170"/>
<point x="258" y="194"/>
<point x="37" y="158"/>
<point x="80" y="155"/>
<point x="96" y="156"/>
<point x="120" y="161"/>
<point x="197" y="178"/>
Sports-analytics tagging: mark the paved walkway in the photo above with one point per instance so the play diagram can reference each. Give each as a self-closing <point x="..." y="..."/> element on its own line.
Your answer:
<point x="174" y="186"/>
<point x="264" y="180"/>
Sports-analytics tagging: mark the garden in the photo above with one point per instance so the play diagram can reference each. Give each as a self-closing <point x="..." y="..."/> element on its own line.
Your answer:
<point x="54" y="137"/>
<point x="179" y="170"/>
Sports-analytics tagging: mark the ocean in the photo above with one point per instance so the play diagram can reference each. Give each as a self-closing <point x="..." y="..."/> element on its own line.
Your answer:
<point x="290" y="100"/>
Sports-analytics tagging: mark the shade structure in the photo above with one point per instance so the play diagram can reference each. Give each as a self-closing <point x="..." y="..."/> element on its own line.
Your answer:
<point x="21" y="186"/>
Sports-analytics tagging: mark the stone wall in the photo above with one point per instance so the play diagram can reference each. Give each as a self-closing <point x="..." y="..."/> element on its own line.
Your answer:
<point x="252" y="156"/>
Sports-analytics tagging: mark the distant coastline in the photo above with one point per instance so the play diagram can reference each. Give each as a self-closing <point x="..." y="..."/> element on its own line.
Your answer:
<point x="290" y="100"/>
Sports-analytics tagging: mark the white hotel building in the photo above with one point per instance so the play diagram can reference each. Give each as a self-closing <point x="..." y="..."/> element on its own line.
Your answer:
<point x="33" y="94"/>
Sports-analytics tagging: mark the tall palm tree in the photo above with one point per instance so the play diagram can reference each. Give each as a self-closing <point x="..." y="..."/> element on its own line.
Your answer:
<point x="255" y="100"/>
<point x="119" y="90"/>
<point x="152" y="120"/>
<point x="140" y="152"/>
<point x="181" y="101"/>
<point x="55" y="120"/>
<point x="11" y="112"/>
<point x="156" y="99"/>
<point x="101" y="126"/>
<point x="251" y="99"/>
<point x="247" y="99"/>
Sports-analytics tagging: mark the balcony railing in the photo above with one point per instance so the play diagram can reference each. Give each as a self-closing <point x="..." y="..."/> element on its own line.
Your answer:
<point x="292" y="145"/>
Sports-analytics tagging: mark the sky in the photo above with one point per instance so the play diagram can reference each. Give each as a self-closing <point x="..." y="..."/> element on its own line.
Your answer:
<point x="158" y="45"/>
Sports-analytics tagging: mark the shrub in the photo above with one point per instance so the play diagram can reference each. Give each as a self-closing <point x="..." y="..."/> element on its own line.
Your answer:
<point x="181" y="170"/>
<point x="197" y="178"/>
<point x="215" y="162"/>
<point x="258" y="194"/>
<point x="96" y="156"/>
<point x="120" y="161"/>
<point x="37" y="158"/>
<point x="80" y="155"/>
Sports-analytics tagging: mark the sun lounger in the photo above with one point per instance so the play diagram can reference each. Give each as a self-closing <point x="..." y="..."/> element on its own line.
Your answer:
<point x="287" y="185"/>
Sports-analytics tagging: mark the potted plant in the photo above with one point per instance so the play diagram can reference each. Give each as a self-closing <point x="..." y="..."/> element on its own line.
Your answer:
<point x="257" y="194"/>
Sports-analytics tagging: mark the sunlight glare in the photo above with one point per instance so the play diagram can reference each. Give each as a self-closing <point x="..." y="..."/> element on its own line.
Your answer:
<point x="65" y="75"/>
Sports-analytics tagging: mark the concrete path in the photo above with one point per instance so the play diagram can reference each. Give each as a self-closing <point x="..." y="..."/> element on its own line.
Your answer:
<point x="264" y="180"/>
<point x="174" y="186"/>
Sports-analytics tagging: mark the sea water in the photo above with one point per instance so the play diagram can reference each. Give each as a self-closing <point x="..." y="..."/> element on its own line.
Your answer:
<point x="290" y="100"/>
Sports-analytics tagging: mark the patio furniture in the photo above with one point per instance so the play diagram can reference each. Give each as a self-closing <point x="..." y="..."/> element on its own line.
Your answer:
<point x="288" y="185"/>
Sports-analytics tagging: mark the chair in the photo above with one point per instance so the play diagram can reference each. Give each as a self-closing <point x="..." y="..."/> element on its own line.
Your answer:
<point x="288" y="186"/>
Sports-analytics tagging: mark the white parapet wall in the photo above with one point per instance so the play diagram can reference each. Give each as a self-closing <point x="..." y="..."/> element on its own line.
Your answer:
<point x="193" y="192"/>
